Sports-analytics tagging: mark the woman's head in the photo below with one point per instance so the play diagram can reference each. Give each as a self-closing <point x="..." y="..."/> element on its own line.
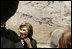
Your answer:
<point x="26" y="30"/>
<point x="55" y="35"/>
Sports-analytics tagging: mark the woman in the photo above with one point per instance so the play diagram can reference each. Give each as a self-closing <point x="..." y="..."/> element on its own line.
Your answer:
<point x="26" y="32"/>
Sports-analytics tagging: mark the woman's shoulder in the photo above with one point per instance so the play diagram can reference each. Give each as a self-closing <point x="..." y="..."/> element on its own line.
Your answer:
<point x="34" y="43"/>
<point x="33" y="40"/>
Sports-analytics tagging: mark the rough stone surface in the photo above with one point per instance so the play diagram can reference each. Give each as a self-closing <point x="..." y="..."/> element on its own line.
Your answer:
<point x="44" y="16"/>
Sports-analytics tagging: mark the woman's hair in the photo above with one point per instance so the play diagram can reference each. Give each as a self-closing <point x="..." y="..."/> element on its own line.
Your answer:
<point x="8" y="8"/>
<point x="29" y="27"/>
<point x="65" y="39"/>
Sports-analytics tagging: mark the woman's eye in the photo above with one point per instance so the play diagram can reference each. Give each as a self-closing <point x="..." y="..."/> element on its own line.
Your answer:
<point x="24" y="30"/>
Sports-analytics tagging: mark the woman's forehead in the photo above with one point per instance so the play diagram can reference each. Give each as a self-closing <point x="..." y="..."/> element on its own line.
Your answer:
<point x="24" y="27"/>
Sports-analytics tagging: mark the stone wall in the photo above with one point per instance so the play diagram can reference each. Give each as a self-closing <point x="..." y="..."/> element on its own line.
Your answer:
<point x="44" y="16"/>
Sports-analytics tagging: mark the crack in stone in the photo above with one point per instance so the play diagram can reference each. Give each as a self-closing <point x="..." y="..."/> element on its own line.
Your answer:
<point x="46" y="20"/>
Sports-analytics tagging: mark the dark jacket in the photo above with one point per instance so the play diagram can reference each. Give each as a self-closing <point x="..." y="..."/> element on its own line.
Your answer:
<point x="33" y="43"/>
<point x="9" y="38"/>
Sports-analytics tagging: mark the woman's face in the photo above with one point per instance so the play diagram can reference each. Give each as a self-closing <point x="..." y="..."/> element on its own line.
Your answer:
<point x="24" y="32"/>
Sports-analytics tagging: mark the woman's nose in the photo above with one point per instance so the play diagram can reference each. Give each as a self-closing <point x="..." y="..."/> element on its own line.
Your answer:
<point x="22" y="32"/>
